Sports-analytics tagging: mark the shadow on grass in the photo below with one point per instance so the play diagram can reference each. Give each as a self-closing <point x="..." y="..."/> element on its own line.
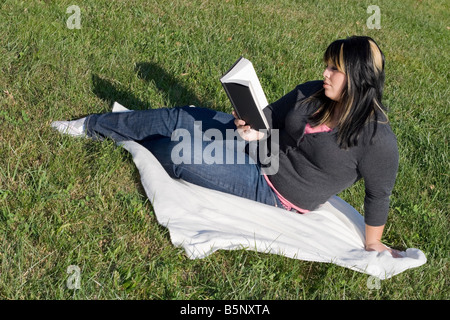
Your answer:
<point x="109" y="92"/>
<point x="176" y="93"/>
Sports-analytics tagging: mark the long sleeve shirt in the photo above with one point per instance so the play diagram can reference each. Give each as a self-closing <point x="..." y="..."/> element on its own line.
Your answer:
<point x="313" y="167"/>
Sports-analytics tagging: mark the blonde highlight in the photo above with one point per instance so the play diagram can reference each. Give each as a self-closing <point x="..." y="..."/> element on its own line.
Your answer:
<point x="362" y="61"/>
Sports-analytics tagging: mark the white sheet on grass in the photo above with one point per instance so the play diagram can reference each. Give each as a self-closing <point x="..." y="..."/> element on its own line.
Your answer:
<point x="202" y="221"/>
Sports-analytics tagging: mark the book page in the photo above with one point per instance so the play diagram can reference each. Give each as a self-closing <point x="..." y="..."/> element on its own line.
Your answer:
<point x="243" y="73"/>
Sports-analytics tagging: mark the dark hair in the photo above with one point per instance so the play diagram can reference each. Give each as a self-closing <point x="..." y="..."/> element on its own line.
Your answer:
<point x="362" y="61"/>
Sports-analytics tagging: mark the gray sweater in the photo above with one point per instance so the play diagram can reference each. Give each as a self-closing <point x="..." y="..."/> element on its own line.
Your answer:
<point x="312" y="167"/>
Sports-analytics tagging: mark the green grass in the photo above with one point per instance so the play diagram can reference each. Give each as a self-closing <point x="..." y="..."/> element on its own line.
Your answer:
<point x="67" y="201"/>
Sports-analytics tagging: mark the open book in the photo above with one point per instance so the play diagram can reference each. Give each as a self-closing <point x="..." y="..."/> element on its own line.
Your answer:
<point x="246" y="94"/>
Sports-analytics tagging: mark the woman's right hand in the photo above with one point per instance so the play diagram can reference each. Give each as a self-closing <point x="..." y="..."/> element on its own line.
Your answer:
<point x="245" y="131"/>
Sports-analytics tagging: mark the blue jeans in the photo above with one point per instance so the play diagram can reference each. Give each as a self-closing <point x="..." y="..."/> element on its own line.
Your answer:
<point x="155" y="129"/>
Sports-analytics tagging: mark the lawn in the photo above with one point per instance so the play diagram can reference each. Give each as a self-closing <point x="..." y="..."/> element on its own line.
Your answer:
<point x="74" y="202"/>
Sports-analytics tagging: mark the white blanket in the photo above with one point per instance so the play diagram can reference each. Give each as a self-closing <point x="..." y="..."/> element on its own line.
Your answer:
<point x="202" y="221"/>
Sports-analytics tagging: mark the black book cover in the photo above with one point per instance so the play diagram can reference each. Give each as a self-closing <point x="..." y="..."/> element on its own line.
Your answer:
<point x="243" y="103"/>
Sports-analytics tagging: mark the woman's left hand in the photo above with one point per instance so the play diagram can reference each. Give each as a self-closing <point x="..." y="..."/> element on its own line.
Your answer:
<point x="379" y="247"/>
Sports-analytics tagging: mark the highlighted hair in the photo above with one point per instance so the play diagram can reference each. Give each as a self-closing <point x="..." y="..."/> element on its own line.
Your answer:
<point x="362" y="61"/>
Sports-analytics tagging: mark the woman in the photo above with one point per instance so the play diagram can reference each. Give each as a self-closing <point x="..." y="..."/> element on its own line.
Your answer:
<point x="330" y="134"/>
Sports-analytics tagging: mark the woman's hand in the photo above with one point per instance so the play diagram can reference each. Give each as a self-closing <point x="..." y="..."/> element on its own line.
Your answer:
<point x="245" y="131"/>
<point x="373" y="241"/>
<point x="379" y="247"/>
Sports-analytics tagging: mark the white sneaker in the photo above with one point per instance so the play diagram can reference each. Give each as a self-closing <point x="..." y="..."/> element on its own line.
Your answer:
<point x="75" y="128"/>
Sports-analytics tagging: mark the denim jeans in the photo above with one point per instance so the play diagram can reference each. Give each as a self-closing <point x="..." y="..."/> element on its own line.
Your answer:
<point x="157" y="130"/>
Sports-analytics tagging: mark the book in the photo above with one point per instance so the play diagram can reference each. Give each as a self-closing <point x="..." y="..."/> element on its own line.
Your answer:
<point x="246" y="94"/>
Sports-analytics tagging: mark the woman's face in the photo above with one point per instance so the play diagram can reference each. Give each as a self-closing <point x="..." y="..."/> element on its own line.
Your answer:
<point x="334" y="82"/>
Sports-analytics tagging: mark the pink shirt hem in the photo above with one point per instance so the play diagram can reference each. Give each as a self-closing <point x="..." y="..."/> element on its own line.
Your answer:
<point x="287" y="204"/>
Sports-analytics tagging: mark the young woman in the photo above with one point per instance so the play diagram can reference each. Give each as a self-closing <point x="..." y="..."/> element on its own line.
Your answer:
<point x="329" y="134"/>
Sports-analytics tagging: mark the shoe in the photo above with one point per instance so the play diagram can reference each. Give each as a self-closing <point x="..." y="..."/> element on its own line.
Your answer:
<point x="74" y="128"/>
